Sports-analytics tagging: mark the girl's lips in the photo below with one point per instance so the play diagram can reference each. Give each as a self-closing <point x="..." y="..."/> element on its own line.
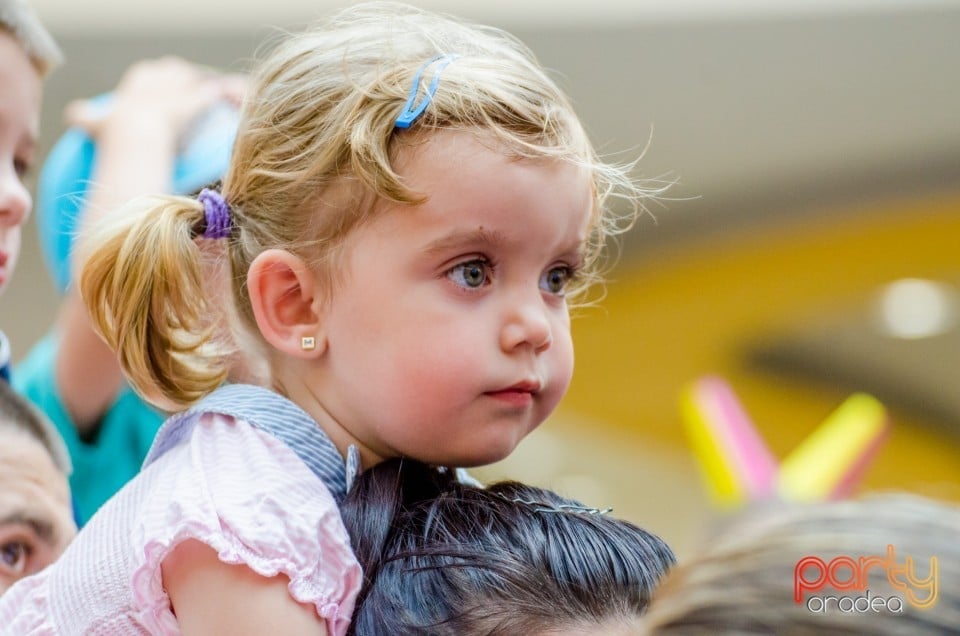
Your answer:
<point x="513" y="397"/>
<point x="520" y="394"/>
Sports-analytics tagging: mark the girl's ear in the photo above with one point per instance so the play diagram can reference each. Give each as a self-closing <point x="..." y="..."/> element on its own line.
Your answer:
<point x="283" y="295"/>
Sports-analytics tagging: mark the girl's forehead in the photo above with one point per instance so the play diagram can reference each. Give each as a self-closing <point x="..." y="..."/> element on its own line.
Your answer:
<point x="471" y="160"/>
<point x="473" y="192"/>
<point x="455" y="144"/>
<point x="463" y="180"/>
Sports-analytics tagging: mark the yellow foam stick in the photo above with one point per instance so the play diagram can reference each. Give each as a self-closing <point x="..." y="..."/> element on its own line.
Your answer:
<point x="735" y="463"/>
<point x="828" y="463"/>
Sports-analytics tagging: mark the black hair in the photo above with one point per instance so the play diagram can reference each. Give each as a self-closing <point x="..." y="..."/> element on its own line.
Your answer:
<point x="442" y="557"/>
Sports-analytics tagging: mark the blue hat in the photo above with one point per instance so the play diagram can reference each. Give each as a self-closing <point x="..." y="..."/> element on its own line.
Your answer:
<point x="62" y="186"/>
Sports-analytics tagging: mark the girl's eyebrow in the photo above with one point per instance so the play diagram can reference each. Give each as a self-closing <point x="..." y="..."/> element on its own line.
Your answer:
<point x="463" y="238"/>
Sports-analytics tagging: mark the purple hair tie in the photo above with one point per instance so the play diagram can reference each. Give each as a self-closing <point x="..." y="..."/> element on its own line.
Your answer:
<point x="217" y="213"/>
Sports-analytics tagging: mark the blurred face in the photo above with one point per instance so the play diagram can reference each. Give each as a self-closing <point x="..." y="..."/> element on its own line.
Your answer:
<point x="20" y="93"/>
<point x="36" y="520"/>
<point x="449" y="336"/>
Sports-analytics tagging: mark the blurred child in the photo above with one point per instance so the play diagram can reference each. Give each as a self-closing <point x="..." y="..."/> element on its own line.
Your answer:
<point x="27" y="53"/>
<point x="444" y="558"/>
<point x="131" y="143"/>
<point x="410" y="205"/>
<point x="36" y="518"/>
<point x="884" y="565"/>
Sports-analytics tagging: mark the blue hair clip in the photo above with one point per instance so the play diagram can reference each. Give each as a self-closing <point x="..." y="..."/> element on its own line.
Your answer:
<point x="410" y="110"/>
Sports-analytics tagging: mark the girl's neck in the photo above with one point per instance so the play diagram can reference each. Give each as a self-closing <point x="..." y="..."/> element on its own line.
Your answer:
<point x="294" y="387"/>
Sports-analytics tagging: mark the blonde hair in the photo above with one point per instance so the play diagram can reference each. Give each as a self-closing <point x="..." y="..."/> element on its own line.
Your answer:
<point x="743" y="582"/>
<point x="20" y="21"/>
<point x="318" y="127"/>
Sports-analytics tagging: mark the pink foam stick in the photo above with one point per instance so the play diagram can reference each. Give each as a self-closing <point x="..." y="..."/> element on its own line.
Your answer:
<point x="851" y="480"/>
<point x="751" y="464"/>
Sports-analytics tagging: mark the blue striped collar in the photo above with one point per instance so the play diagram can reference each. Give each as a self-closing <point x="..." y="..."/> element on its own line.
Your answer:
<point x="275" y="414"/>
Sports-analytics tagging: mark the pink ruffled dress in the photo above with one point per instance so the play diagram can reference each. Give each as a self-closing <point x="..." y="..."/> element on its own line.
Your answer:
<point x="222" y="481"/>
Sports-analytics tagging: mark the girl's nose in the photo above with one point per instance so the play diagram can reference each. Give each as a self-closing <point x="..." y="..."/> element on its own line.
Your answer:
<point x="527" y="325"/>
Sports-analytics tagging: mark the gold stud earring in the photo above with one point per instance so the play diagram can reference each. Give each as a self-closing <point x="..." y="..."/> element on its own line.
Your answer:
<point x="308" y="343"/>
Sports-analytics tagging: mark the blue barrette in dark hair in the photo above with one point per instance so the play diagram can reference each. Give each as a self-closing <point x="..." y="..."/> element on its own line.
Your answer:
<point x="412" y="109"/>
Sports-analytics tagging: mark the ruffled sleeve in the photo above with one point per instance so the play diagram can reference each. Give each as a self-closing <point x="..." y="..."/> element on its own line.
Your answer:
<point x="249" y="497"/>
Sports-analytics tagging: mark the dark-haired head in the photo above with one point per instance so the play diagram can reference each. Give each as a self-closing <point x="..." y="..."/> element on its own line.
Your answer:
<point x="36" y="516"/>
<point x="441" y="557"/>
<point x="19" y="415"/>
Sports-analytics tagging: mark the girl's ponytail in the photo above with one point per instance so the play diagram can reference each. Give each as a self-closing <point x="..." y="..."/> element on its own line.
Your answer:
<point x="143" y="284"/>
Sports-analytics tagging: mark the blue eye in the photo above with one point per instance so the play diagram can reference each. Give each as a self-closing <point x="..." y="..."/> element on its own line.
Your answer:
<point x="471" y="274"/>
<point x="555" y="279"/>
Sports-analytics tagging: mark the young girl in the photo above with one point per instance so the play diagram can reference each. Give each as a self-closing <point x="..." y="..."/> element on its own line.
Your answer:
<point x="410" y="205"/>
<point x="445" y="558"/>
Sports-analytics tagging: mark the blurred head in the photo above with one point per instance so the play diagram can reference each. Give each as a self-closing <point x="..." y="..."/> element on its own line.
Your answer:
<point x="27" y="52"/>
<point x="20" y="22"/>
<point x="884" y="565"/>
<point x="441" y="557"/>
<point x="36" y="517"/>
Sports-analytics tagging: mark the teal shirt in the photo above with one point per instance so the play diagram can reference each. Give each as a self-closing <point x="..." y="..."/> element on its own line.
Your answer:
<point x="103" y="465"/>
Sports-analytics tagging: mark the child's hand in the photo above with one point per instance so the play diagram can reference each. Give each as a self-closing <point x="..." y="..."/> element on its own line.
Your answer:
<point x="165" y="94"/>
